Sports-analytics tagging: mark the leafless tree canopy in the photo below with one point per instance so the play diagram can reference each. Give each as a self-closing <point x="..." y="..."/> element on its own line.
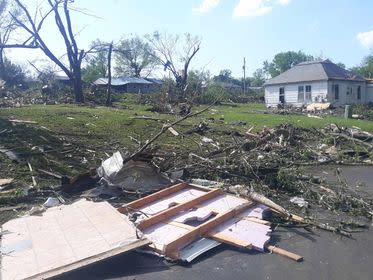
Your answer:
<point x="33" y="25"/>
<point x="175" y="53"/>
<point x="7" y="26"/>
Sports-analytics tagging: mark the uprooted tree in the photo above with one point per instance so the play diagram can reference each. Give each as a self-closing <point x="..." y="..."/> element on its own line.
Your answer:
<point x="175" y="54"/>
<point x="32" y="26"/>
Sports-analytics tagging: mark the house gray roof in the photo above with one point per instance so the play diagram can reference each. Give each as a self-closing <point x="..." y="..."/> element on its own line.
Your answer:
<point x="314" y="71"/>
<point x="121" y="81"/>
<point x="154" y="81"/>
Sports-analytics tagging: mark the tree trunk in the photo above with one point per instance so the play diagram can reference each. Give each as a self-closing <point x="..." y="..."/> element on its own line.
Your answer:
<point x="78" y="85"/>
<point x="2" y="64"/>
<point x="108" y="99"/>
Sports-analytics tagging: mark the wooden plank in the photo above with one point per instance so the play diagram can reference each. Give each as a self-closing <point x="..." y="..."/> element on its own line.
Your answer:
<point x="164" y="215"/>
<point x="284" y="253"/>
<point x="256" y="220"/>
<point x="93" y="259"/>
<point x="172" y="248"/>
<point x="217" y="236"/>
<point x="151" y="198"/>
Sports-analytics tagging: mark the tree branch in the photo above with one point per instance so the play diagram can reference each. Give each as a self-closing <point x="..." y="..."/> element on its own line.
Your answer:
<point x="163" y="130"/>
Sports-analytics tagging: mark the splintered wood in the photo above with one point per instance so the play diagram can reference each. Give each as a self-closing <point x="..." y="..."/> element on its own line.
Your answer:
<point x="182" y="217"/>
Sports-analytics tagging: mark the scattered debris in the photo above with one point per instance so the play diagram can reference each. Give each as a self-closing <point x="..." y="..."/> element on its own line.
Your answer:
<point x="299" y="201"/>
<point x="22" y="121"/>
<point x="51" y="202"/>
<point x="318" y="106"/>
<point x="181" y="220"/>
<point x="133" y="175"/>
<point x="5" y="183"/>
<point x="173" y="131"/>
<point x="11" y="155"/>
<point x="32" y="176"/>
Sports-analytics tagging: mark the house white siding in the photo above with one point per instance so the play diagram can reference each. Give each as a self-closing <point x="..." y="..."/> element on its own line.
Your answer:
<point x="319" y="91"/>
<point x="369" y="93"/>
<point x="348" y="93"/>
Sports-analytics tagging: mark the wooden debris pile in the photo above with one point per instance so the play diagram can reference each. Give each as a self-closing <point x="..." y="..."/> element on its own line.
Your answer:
<point x="184" y="221"/>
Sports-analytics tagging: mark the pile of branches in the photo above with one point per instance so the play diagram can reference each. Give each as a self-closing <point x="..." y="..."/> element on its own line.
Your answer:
<point x="272" y="162"/>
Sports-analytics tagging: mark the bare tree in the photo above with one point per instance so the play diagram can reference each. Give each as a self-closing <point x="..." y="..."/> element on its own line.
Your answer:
<point x="134" y="57"/>
<point x="175" y="54"/>
<point x="32" y="26"/>
<point x="7" y="26"/>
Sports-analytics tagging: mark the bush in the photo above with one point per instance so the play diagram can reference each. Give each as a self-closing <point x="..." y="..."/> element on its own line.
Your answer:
<point x="13" y="73"/>
<point x="213" y="93"/>
<point x="365" y="110"/>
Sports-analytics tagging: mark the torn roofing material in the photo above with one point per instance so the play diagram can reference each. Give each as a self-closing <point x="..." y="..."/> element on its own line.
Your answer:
<point x="121" y="81"/>
<point x="65" y="238"/>
<point x="133" y="175"/>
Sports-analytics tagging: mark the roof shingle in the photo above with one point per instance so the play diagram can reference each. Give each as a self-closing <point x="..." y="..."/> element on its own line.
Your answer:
<point x="314" y="71"/>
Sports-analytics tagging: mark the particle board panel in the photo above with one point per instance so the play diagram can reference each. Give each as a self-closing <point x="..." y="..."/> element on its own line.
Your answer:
<point x="170" y="200"/>
<point x="255" y="233"/>
<point x="64" y="238"/>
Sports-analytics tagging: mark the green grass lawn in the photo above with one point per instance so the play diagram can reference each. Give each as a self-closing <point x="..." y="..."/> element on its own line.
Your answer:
<point x="117" y="123"/>
<point x="255" y="115"/>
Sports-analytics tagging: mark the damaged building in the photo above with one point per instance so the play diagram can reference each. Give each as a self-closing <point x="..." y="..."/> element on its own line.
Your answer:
<point x="317" y="81"/>
<point x="130" y="84"/>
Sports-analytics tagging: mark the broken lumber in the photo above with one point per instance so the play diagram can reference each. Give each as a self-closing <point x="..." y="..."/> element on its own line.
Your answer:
<point x="275" y="207"/>
<point x="4" y="182"/>
<point x="171" y="249"/>
<point x="50" y="173"/>
<point x="282" y="252"/>
<point x="162" y="216"/>
<point x="22" y="121"/>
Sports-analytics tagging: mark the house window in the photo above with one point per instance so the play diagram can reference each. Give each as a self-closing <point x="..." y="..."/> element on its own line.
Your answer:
<point x="282" y="95"/>
<point x="359" y="92"/>
<point x="300" y="94"/>
<point x="308" y="93"/>
<point x="336" y="92"/>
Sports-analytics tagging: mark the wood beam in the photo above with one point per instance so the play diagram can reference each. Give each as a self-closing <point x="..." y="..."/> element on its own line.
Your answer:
<point x="172" y="248"/>
<point x="151" y="198"/>
<point x="284" y="253"/>
<point x="217" y="236"/>
<point x="165" y="215"/>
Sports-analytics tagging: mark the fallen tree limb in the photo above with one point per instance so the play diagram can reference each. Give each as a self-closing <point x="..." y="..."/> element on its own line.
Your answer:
<point x="163" y="130"/>
<point x="353" y="139"/>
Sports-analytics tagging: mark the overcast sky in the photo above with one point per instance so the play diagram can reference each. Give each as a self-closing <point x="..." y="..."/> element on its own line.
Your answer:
<point x="341" y="30"/>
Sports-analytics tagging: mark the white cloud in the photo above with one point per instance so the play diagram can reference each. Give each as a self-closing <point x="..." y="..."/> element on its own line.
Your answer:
<point x="255" y="8"/>
<point x="366" y="39"/>
<point x="284" y="2"/>
<point x="206" y="6"/>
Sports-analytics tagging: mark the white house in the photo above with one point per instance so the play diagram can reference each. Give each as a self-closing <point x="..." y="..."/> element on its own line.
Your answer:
<point x="317" y="81"/>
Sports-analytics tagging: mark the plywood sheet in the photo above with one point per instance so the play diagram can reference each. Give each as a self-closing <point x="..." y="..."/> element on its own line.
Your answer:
<point x="256" y="234"/>
<point x="64" y="238"/>
<point x="168" y="201"/>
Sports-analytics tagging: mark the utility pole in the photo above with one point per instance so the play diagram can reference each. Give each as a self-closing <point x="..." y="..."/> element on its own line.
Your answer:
<point x="108" y="90"/>
<point x="244" y="75"/>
